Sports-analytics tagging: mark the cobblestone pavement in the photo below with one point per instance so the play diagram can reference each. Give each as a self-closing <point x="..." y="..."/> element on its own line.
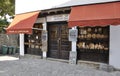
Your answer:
<point x="40" y="67"/>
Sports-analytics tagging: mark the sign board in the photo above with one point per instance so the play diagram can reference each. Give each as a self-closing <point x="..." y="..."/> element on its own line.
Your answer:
<point x="73" y="34"/>
<point x="72" y="57"/>
<point x="53" y="18"/>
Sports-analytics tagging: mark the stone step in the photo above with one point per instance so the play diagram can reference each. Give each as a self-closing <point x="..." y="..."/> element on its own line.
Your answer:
<point x="60" y="60"/>
<point x="30" y="56"/>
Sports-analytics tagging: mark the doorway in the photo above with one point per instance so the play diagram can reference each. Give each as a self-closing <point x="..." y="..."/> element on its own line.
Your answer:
<point x="58" y="43"/>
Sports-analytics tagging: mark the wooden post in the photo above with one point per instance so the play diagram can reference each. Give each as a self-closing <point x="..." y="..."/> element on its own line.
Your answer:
<point x="21" y="40"/>
<point x="44" y="40"/>
<point x="73" y="38"/>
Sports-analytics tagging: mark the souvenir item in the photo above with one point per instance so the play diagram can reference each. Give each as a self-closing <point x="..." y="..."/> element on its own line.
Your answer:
<point x="100" y="29"/>
<point x="93" y="35"/>
<point x="98" y="35"/>
<point x="105" y="48"/>
<point x="82" y="36"/>
<point x="102" y="36"/>
<point x="96" y="46"/>
<point x="89" y="29"/>
<point x="89" y="36"/>
<point x="96" y="30"/>
<point x="91" y="45"/>
<point x="84" y="32"/>
<point x="100" y="46"/>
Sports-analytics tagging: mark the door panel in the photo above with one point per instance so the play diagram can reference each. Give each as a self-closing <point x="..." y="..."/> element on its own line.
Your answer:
<point x="64" y="43"/>
<point x="53" y="41"/>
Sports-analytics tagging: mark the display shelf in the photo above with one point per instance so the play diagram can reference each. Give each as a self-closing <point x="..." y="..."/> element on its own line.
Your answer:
<point x="93" y="41"/>
<point x="93" y="38"/>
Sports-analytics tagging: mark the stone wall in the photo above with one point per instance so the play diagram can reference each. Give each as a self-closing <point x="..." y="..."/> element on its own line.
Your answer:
<point x="9" y="40"/>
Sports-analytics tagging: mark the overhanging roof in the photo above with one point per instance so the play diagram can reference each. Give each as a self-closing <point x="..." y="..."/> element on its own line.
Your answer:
<point x="23" y="23"/>
<point x="95" y="15"/>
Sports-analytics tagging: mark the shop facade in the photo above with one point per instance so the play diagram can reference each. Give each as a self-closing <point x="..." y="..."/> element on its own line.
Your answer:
<point x="72" y="34"/>
<point x="55" y="40"/>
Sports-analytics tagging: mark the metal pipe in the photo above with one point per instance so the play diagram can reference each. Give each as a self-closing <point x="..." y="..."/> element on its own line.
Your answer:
<point x="37" y="29"/>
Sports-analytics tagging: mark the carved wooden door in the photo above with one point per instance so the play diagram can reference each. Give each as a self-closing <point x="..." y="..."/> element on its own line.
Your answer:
<point x="59" y="46"/>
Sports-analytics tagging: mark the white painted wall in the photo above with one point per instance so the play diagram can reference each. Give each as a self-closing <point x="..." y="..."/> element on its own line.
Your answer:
<point x="114" y="57"/>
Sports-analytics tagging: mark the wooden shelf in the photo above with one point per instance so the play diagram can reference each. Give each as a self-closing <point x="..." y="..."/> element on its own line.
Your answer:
<point x="92" y="50"/>
<point x="27" y="43"/>
<point x="94" y="40"/>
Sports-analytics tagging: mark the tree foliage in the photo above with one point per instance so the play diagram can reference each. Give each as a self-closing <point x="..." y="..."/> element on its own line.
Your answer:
<point x="7" y="7"/>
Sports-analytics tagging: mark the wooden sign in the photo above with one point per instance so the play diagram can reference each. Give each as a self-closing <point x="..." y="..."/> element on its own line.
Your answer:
<point x="62" y="17"/>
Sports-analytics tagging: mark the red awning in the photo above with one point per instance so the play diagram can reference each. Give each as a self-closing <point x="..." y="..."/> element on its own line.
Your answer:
<point x="95" y="15"/>
<point x="23" y="23"/>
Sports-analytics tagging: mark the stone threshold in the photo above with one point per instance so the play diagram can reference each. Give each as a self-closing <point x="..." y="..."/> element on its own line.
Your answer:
<point x="60" y="60"/>
<point x="30" y="56"/>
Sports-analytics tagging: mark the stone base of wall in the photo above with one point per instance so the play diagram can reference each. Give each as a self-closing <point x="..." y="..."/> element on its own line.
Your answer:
<point x="9" y="40"/>
<point x="106" y="67"/>
<point x="97" y="65"/>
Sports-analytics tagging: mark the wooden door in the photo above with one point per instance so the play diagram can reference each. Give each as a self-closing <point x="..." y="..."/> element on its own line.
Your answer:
<point x="65" y="44"/>
<point x="59" y="46"/>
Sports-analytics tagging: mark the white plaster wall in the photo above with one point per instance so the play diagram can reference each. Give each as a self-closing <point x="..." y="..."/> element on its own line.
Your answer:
<point x="114" y="57"/>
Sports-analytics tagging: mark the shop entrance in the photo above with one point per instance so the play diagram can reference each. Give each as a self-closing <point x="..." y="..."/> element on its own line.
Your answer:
<point x="59" y="46"/>
<point x="33" y="42"/>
